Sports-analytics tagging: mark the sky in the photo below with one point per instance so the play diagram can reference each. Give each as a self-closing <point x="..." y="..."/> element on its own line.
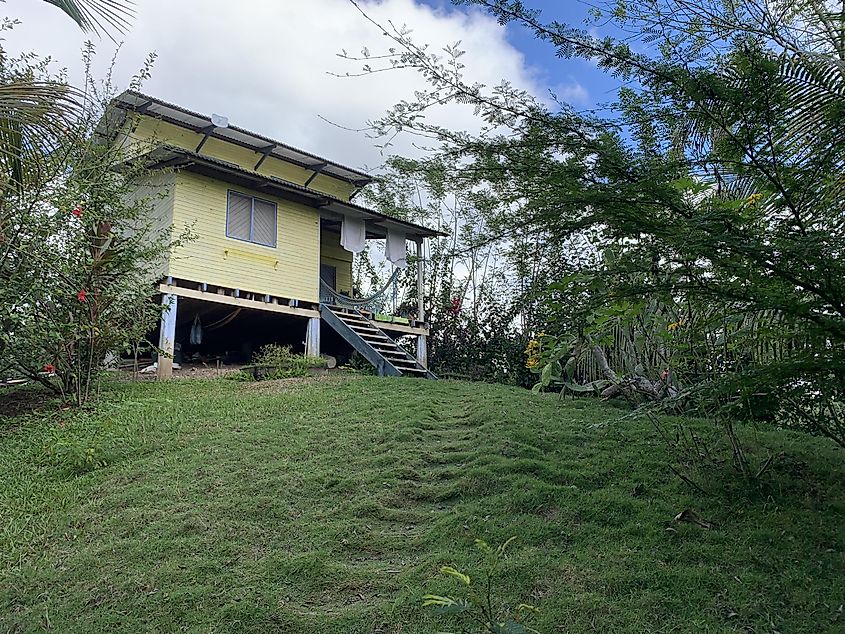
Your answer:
<point x="270" y="65"/>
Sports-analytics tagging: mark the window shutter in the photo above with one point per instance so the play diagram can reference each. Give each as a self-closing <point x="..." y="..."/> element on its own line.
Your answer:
<point x="264" y="223"/>
<point x="238" y="216"/>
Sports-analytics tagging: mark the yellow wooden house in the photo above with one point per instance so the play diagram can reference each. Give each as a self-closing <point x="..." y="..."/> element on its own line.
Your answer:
<point x="266" y="264"/>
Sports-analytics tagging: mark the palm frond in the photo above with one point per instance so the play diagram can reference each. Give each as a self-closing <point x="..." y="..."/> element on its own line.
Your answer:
<point x="98" y="16"/>
<point x="34" y="116"/>
<point x="815" y="85"/>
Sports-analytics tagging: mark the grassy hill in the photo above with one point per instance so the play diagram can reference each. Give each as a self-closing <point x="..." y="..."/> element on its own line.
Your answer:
<point x="328" y="505"/>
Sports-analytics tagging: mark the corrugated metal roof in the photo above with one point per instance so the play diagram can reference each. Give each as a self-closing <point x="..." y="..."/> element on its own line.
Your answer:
<point x="151" y="106"/>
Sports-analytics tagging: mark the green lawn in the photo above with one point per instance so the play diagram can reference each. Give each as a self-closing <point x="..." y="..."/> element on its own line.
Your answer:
<point x="328" y="505"/>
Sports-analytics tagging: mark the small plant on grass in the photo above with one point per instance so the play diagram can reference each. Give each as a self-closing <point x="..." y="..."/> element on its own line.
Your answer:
<point x="476" y="610"/>
<point x="82" y="446"/>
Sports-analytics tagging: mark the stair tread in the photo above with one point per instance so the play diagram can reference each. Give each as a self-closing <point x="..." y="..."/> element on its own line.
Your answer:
<point x="371" y="333"/>
<point x="399" y="356"/>
<point x="340" y="310"/>
<point x="408" y="363"/>
<point x="370" y="328"/>
<point x="359" y="324"/>
<point x="376" y="337"/>
<point x="350" y="317"/>
<point x="355" y="318"/>
<point x="356" y="323"/>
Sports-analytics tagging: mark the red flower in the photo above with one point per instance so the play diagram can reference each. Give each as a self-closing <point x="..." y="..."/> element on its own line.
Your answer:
<point x="49" y="368"/>
<point x="455" y="308"/>
<point x="82" y="296"/>
<point x="77" y="211"/>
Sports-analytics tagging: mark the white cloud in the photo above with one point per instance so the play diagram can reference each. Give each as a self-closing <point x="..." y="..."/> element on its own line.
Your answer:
<point x="265" y="63"/>
<point x="573" y="93"/>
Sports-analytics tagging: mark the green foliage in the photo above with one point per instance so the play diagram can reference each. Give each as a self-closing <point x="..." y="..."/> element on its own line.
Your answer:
<point x="240" y="376"/>
<point x="278" y="362"/>
<point x="479" y="345"/>
<point x="82" y="445"/>
<point x="97" y="16"/>
<point x="710" y="199"/>
<point x="475" y="610"/>
<point x="82" y="255"/>
<point x="359" y="364"/>
<point x="478" y="323"/>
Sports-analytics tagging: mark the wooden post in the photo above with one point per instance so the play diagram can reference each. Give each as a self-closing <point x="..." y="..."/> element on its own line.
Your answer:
<point x="312" y="337"/>
<point x="422" y="343"/>
<point x="167" y="336"/>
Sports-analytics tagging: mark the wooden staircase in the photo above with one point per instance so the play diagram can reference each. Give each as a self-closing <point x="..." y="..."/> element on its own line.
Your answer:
<point x="372" y="343"/>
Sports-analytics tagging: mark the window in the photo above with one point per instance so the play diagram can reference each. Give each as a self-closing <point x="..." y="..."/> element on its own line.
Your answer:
<point x="251" y="219"/>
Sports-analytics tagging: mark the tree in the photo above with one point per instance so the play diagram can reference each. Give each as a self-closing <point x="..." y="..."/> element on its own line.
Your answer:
<point x="36" y="112"/>
<point x="79" y="248"/>
<point x="717" y="186"/>
<point x="478" y="298"/>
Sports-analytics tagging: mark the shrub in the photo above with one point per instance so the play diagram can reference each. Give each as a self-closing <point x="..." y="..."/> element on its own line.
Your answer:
<point x="278" y="362"/>
<point x="81" y="250"/>
<point x="81" y="446"/>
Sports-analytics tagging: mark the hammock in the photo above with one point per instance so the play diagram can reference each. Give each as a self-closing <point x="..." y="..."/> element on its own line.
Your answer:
<point x="225" y="321"/>
<point x="329" y="296"/>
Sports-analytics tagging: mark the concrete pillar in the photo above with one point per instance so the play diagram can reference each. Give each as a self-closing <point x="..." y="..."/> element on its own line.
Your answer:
<point x="167" y="337"/>
<point x="312" y="337"/>
<point x="420" y="280"/>
<point x="422" y="340"/>
<point x="422" y="350"/>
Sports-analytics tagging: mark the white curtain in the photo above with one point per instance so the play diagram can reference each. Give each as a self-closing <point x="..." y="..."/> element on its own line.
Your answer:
<point x="353" y="234"/>
<point x="395" y="249"/>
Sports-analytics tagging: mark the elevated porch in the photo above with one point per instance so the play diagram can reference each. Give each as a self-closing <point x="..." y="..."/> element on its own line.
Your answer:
<point x="243" y="320"/>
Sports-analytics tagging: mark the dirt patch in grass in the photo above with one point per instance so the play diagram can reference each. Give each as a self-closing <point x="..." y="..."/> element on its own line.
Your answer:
<point x="186" y="371"/>
<point x="22" y="400"/>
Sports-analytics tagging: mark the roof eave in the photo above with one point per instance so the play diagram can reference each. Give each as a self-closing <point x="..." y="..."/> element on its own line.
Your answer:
<point x="168" y="157"/>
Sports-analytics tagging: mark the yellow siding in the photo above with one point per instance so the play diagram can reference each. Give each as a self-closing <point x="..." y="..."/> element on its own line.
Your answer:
<point x="149" y="129"/>
<point x="159" y="190"/>
<point x="290" y="270"/>
<point x="333" y="254"/>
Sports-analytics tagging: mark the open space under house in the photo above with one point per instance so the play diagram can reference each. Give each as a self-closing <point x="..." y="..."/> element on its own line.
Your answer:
<point x="275" y="234"/>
